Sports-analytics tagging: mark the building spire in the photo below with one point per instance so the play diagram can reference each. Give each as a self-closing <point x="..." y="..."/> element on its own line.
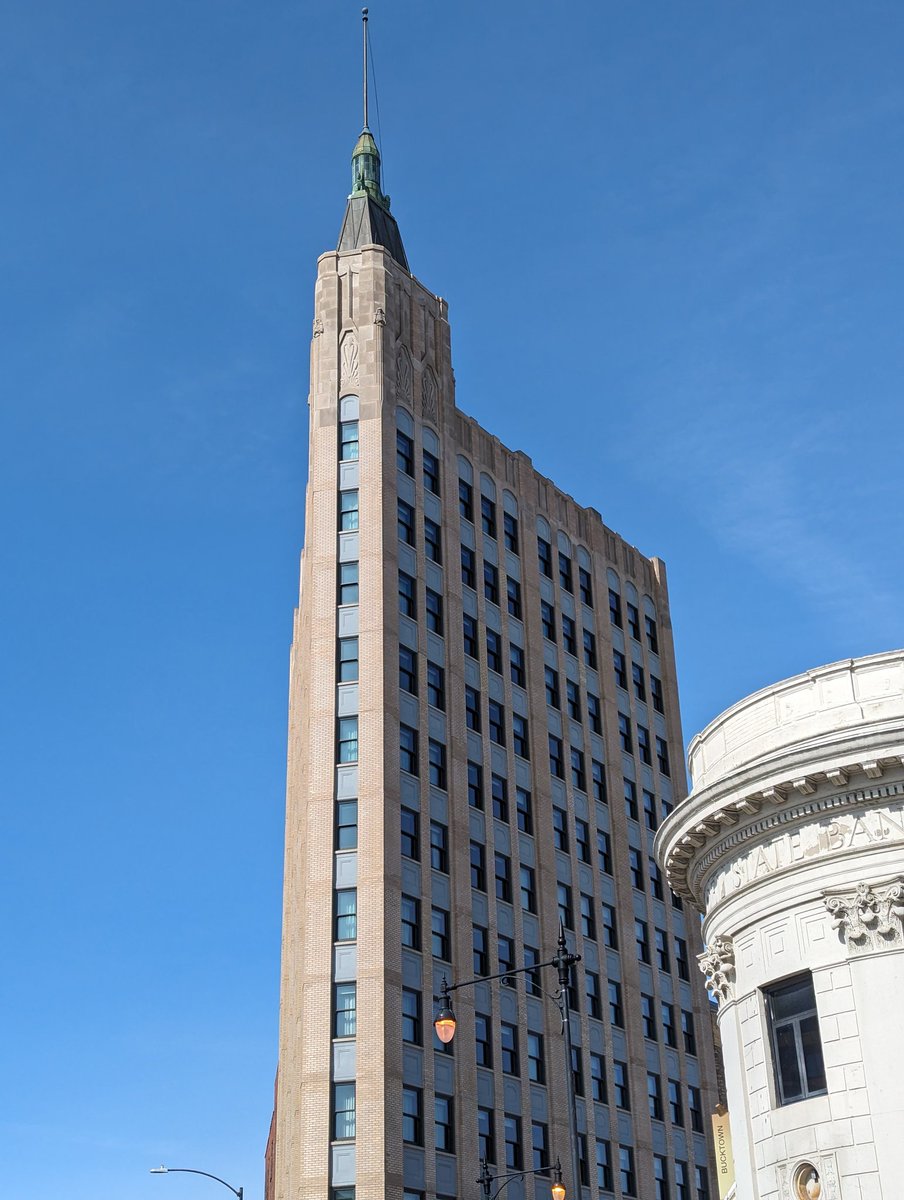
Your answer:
<point x="366" y="156"/>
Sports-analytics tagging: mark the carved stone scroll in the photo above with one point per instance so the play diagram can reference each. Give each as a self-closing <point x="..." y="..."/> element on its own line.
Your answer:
<point x="428" y="396"/>
<point x="869" y="919"/>
<point x="348" y="360"/>
<point x="718" y="966"/>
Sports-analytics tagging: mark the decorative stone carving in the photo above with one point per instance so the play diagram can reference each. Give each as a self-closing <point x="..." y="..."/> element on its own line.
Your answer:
<point x="403" y="376"/>
<point x="348" y="359"/>
<point x="428" y="396"/>
<point x="868" y="919"/>
<point x="379" y="317"/>
<point x="718" y="965"/>
<point x="318" y="327"/>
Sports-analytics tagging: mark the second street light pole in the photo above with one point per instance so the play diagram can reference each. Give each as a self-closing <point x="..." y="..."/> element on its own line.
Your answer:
<point x="445" y="1023"/>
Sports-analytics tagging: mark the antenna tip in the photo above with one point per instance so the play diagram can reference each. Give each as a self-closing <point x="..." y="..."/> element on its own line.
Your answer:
<point x="364" y="13"/>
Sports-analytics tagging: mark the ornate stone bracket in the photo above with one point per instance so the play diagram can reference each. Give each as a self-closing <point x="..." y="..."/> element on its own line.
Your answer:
<point x="867" y="918"/>
<point x="718" y="965"/>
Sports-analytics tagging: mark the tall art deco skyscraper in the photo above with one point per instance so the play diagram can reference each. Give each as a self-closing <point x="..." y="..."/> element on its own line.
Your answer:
<point x="484" y="736"/>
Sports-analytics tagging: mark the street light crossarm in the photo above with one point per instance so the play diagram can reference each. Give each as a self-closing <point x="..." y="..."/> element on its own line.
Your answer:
<point x="509" y="1176"/>
<point x="239" y="1192"/>
<point x="553" y="962"/>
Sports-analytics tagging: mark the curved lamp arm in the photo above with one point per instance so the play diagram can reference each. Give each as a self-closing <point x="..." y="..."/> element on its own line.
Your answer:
<point x="161" y="1170"/>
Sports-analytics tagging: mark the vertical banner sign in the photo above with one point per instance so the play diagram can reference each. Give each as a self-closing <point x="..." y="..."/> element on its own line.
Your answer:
<point x="724" y="1157"/>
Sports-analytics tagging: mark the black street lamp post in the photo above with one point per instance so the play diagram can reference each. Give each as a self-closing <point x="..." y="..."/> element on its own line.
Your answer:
<point x="486" y="1180"/>
<point x="161" y="1170"/>
<point x="445" y="1023"/>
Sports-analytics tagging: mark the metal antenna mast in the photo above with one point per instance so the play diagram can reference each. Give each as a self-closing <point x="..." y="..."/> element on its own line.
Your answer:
<point x="364" y="31"/>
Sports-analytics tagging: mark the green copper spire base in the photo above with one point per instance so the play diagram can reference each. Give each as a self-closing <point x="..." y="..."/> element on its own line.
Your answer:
<point x="368" y="220"/>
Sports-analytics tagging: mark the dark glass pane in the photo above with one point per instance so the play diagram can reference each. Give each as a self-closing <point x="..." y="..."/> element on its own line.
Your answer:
<point x="788" y="1069"/>
<point x="793" y="999"/>
<point x="812" y="1050"/>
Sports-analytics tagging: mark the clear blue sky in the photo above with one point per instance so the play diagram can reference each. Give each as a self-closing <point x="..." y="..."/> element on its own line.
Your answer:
<point x="671" y="239"/>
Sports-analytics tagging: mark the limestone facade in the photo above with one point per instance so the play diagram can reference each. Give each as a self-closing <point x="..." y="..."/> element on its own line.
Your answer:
<point x="791" y="844"/>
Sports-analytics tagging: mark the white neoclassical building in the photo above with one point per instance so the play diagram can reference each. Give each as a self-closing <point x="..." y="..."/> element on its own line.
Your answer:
<point x="791" y="844"/>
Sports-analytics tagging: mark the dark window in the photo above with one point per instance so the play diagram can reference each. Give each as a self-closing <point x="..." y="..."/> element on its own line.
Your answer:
<point x="468" y="567"/>
<point x="406" y="523"/>
<point x="556" y="763"/>
<point x="347" y="738"/>
<point x="566" y="914"/>
<point x="592" y="992"/>
<point x="582" y="839"/>
<point x="488" y="516"/>
<point x="513" y="1153"/>
<point x="573" y="699"/>
<point x="590" y="649"/>
<point x="443" y="1123"/>
<point x="669" y="1035"/>
<point x="343" y="1111"/>
<point x="676" y="1108"/>
<point x="491" y="582"/>
<point x="435" y="611"/>
<point x="499" y="787"/>
<point x="654" y="1096"/>
<point x="506" y="954"/>
<point x="510" y="532"/>
<point x="615" y="608"/>
<point x="528" y="887"/>
<point x="594" y="713"/>
<point x="578" y="774"/>
<point x="642" y="940"/>
<point x="695" y="1108"/>
<point x="516" y="661"/>
<point x="411" y="922"/>
<point x="620" y="668"/>
<point x="404" y="453"/>
<point x="536" y="1064"/>
<point x="540" y="1146"/>
<point x="640" y="690"/>
<point x="408" y="756"/>
<point x="348" y="659"/>
<point x="412" y="1116"/>
<point x="598" y="1078"/>
<point x="610" y="930"/>
<point x="626" y="1177"/>
<point x="569" y="635"/>
<point x="660" y="1178"/>
<point x="478" y="873"/>
<point x="652" y="636"/>
<point x="480" y="938"/>
<point x="633" y="621"/>
<point x="508" y="1044"/>
<point x="346" y="824"/>
<point x="701" y="1183"/>
<point x="345" y="1009"/>
<point x="624" y="733"/>
<point x="503" y="873"/>
<point x="412" y="1028"/>
<point x="588" y="917"/>
<point x="620" y="1084"/>
<point x="346" y="929"/>
<point x="524" y="809"/>
<point x="472" y="709"/>
<point x="513" y="594"/>
<point x="656" y="694"/>
<point x="577" y="1068"/>
<point x="466" y="500"/>
<point x="656" y="889"/>
<point x="635" y="863"/>
<point x="433" y="544"/>
<point x="475" y="785"/>
<point x="616" y="1011"/>
<point x="603" y="1166"/>
<point x="565" y="578"/>
<point x="690" y="1046"/>
<point x="560" y="828"/>
<point x="486" y="1135"/>
<point x="407" y="670"/>
<point x="436" y="753"/>
<point x="407" y="596"/>
<point x="681" y="1181"/>
<point x="548" y="620"/>
<point x="661" y="942"/>
<point x="796" y="1044"/>
<point x="496" y="722"/>
<point x="585" y="586"/>
<point x="348" y="511"/>
<point x="662" y="757"/>
<point x="631" y="798"/>
<point x="348" y="441"/>
<point x="469" y="626"/>
<point x="647" y="1017"/>
<point x="439" y="847"/>
<point x="483" y="1040"/>
<point x="494" y="651"/>
<point x="440" y="934"/>
<point x="649" y="810"/>
<point x="436" y="686"/>
<point x="544" y="553"/>
<point x="643" y="745"/>
<point x="348" y="583"/>
<point x="520" y="740"/>
<point x="551" y="678"/>
<point x="604" y="850"/>
<point x="531" y="978"/>
<point x="598" y="779"/>
<point x="410" y="824"/>
<point x="682" y="965"/>
<point x="431" y="473"/>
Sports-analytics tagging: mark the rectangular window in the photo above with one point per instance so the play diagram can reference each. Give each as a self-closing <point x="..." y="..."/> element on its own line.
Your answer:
<point x="524" y="810"/>
<point x="486" y="1135"/>
<point x="411" y="837"/>
<point x="439" y="847"/>
<point x="348" y="511"/>
<point x="406" y="523"/>
<point x="592" y="992"/>
<point x="637" y="679"/>
<point x="433" y="546"/>
<point x="556" y="763"/>
<point x="531" y="978"/>
<point x="701" y="1183"/>
<point x="503" y="874"/>
<point x="343" y="1112"/>
<point x="604" y="850"/>
<point x="348" y="441"/>
<point x="654" y="1096"/>
<point x="407" y="670"/>
<point x="616" y="1011"/>
<point x="544" y="554"/>
<point x="647" y="1017"/>
<point x="603" y="1166"/>
<point x="491" y="582"/>
<point x="796" y="1043"/>
<point x="660" y="1178"/>
<point x="643" y="745"/>
<point x="494" y="651"/>
<point x="631" y="798"/>
<point x="656" y="694"/>
<point x="480" y="944"/>
<point x="594" y="713"/>
<point x="440" y="934"/>
<point x="499" y="787"/>
<point x="436" y="754"/>
<point x="620" y="1084"/>
<point x="577" y="1068"/>
<point x="431" y="473"/>
<point x="548" y="621"/>
<point x="598" y="1078"/>
<point x="635" y="863"/>
<point x="347" y="590"/>
<point x="466" y="500"/>
<point x="488" y="516"/>
<point x="536" y="1063"/>
<point x="610" y="930"/>
<point x="348" y="659"/>
<point x="412" y="1028"/>
<point x="528" y="886"/>
<point x="695" y="1108"/>
<point x="469" y="628"/>
<point x="656" y="889"/>
<point x="411" y="922"/>
<point x="551" y="678"/>
<point x="649" y="810"/>
<point x="588" y="917"/>
<point x="412" y="1116"/>
<point x="478" y="872"/>
<point x="346" y="928"/>
<point x="590" y="649"/>
<point x="569" y="635"/>
<point x="443" y="1123"/>
<point x="573" y="699"/>
<point x="436" y="686"/>
<point x="404" y="453"/>
<point x="346" y="824"/>
<point x="642" y="940"/>
<point x="652" y="635"/>
<point x="496" y="722"/>
<point x="540" y="1146"/>
<point x="345" y="1006"/>
<point x="690" y="1047"/>
<point x="676" y="1108"/>
<point x="566" y="914"/>
<point x="615" y="615"/>
<point x="520" y="739"/>
<point x="626" y="1177"/>
<point x="347" y="736"/>
<point x="669" y="1036"/>
<point x="472" y="709"/>
<point x="475" y="785"/>
<point x="516" y="663"/>
<point x="582" y="840"/>
<point x="662" y="757"/>
<point x="585" y="586"/>
<point x="506" y="955"/>
<point x="578" y="774"/>
<point x="508" y="1044"/>
<point x="513" y="596"/>
<point x="566" y="582"/>
<point x="560" y="828"/>
<point x="681" y="1180"/>
<point x="407" y="596"/>
<point x="619" y="665"/>
<point x="661" y="943"/>
<point x="408" y="750"/>
<point x="624" y="733"/>
<point x="598" y="780"/>
<point x="483" y="1040"/>
<point x="468" y="567"/>
<point x="682" y="965"/>
<point x="633" y="621"/>
<point x="514" y="1158"/>
<point x="510" y="532"/>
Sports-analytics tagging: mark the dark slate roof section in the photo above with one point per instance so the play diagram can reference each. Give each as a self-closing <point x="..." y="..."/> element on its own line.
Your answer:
<point x="367" y="224"/>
